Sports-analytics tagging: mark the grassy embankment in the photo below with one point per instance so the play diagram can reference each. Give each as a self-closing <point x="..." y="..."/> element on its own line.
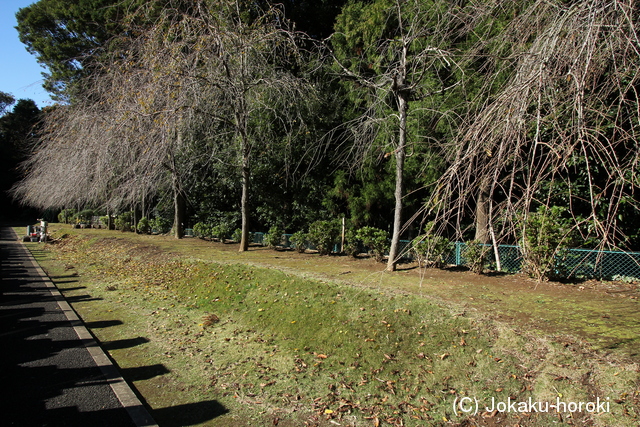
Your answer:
<point x="220" y="343"/>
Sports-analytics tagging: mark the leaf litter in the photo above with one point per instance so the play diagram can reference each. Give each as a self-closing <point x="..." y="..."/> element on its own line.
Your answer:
<point x="328" y="353"/>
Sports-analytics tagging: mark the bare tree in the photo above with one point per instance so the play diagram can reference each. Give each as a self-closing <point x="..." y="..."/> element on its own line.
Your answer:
<point x="61" y="171"/>
<point x="565" y="116"/>
<point x="134" y="118"/>
<point x="247" y="80"/>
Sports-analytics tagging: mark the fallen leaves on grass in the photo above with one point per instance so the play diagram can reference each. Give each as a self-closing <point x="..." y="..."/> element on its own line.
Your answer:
<point x="210" y="319"/>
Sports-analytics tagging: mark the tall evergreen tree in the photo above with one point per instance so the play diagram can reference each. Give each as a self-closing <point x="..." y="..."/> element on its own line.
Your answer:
<point x="398" y="53"/>
<point x="6" y="100"/>
<point x="65" y="36"/>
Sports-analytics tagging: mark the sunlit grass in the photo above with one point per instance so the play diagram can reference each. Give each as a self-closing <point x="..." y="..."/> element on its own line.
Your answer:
<point x="315" y="351"/>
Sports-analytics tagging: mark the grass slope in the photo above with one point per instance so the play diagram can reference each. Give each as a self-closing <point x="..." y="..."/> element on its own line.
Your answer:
<point x="230" y="344"/>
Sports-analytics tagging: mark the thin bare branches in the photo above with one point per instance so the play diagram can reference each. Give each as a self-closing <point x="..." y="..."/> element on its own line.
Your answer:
<point x="195" y="70"/>
<point x="566" y="117"/>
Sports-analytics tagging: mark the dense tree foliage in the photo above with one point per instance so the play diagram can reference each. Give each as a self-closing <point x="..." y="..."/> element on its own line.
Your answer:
<point x="400" y="55"/>
<point x="65" y="35"/>
<point x="18" y="132"/>
<point x="465" y="116"/>
<point x="5" y="101"/>
<point x="199" y="78"/>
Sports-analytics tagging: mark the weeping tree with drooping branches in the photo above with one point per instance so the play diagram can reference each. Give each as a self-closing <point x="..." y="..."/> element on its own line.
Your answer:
<point x="557" y="124"/>
<point x="219" y="73"/>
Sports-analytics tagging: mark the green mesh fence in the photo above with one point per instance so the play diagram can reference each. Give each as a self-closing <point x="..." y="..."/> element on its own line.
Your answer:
<point x="256" y="238"/>
<point x="584" y="263"/>
<point x="510" y="257"/>
<point x="572" y="263"/>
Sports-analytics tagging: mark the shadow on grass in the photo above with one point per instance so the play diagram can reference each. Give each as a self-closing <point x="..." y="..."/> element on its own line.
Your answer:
<point x="99" y="324"/>
<point x="64" y="290"/>
<point x="124" y="343"/>
<point x="407" y="268"/>
<point x="64" y="282"/>
<point x="141" y="373"/>
<point x="81" y="298"/>
<point x="189" y="414"/>
<point x="497" y="273"/>
<point x="58" y="278"/>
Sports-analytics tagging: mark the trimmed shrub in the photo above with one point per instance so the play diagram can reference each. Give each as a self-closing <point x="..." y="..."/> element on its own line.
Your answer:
<point x="66" y="215"/>
<point x="545" y="238"/>
<point x="273" y="238"/>
<point x="299" y="241"/>
<point x="104" y="220"/>
<point x="221" y="231"/>
<point x="352" y="244"/>
<point x="324" y="235"/>
<point x="237" y="235"/>
<point x="123" y="221"/>
<point x="160" y="225"/>
<point x="143" y="226"/>
<point x="429" y="250"/>
<point x="84" y="216"/>
<point x="375" y="240"/>
<point x="201" y="230"/>
<point x="475" y="256"/>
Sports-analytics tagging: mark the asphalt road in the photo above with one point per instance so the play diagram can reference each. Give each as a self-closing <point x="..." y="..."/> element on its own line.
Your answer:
<point x="52" y="372"/>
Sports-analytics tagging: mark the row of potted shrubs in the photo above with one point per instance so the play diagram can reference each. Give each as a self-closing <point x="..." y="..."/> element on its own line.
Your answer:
<point x="548" y="234"/>
<point x="427" y="249"/>
<point x="123" y="221"/>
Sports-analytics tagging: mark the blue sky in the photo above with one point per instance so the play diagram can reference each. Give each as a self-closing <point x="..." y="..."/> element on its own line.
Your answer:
<point x="20" y="73"/>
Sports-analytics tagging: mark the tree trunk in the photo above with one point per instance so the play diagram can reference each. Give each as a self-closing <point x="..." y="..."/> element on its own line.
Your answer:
<point x="244" y="202"/>
<point x="109" y="220"/>
<point x="400" y="156"/>
<point x="179" y="205"/>
<point x="482" y="212"/>
<point x="134" y="209"/>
